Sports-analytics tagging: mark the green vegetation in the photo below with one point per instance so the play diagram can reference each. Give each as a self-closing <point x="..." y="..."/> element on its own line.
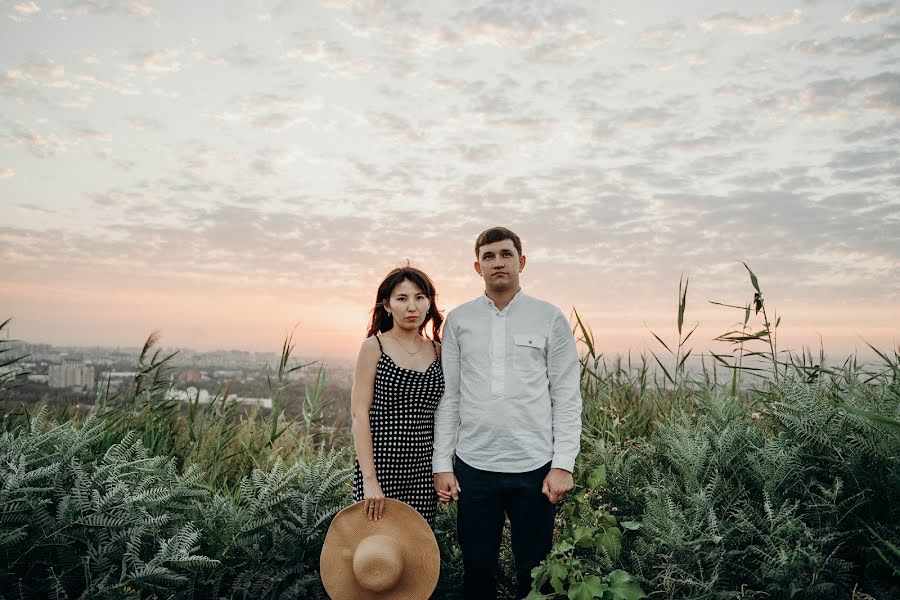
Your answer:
<point x="778" y="479"/>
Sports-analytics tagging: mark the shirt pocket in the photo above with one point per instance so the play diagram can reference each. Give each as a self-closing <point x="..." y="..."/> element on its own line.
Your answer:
<point x="528" y="352"/>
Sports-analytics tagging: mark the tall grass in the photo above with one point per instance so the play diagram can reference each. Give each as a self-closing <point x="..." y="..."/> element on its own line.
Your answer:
<point x="778" y="481"/>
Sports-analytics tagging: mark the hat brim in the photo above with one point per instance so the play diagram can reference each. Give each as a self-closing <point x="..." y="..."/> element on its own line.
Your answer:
<point x="421" y="556"/>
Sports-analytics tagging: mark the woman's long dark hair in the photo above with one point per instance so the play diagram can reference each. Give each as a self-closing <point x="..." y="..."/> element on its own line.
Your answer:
<point x="382" y="321"/>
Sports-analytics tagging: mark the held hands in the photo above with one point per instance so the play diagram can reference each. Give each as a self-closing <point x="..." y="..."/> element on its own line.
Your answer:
<point x="447" y="487"/>
<point x="373" y="499"/>
<point x="557" y="484"/>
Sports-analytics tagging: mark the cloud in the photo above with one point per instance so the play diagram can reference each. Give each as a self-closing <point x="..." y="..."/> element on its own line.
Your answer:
<point x="156" y="62"/>
<point x="873" y="132"/>
<point x="33" y="208"/>
<point x="131" y="8"/>
<point x="123" y="89"/>
<point x="665" y="34"/>
<point x="275" y="122"/>
<point x="848" y="45"/>
<point x="751" y="25"/>
<point x="237" y="55"/>
<point x="648" y="116"/>
<point x="866" y="13"/>
<point x="269" y="112"/>
<point x="853" y="159"/>
<point x="548" y="34"/>
<point x="338" y="61"/>
<point x="89" y="134"/>
<point x="394" y="126"/>
<point x="24" y="11"/>
<point x="41" y="146"/>
<point x="832" y="98"/>
<point x="6" y="173"/>
<point x="881" y="92"/>
<point x="41" y="79"/>
<point x="144" y="123"/>
<point x="478" y="153"/>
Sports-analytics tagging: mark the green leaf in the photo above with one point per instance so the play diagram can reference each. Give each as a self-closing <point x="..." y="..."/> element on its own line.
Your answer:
<point x="578" y="591"/>
<point x="628" y="591"/>
<point x="557" y="569"/>
<point x="536" y="595"/>
<point x="866" y="414"/>
<point x="585" y="336"/>
<point x="539" y="576"/>
<point x="611" y="541"/>
<point x="597" y="478"/>
<point x="595" y="586"/>
<point x="557" y="572"/>
<point x="584" y="536"/>
<point x="631" y="525"/>
<point x="753" y="279"/>
<point x="622" y="587"/>
<point x="662" y="366"/>
<point x="659" y="339"/>
<point x="619" y="577"/>
<point x="607" y="520"/>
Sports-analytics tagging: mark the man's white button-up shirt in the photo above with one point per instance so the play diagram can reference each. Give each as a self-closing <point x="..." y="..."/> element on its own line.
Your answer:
<point x="512" y="399"/>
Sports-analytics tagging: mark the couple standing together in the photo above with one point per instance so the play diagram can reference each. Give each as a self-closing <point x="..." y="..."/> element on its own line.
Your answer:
<point x="500" y="395"/>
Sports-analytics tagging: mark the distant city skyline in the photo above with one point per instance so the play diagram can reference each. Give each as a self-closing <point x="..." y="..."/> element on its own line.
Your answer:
<point x="230" y="172"/>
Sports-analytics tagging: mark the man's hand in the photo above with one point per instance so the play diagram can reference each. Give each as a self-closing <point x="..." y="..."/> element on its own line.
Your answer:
<point x="557" y="484"/>
<point x="447" y="487"/>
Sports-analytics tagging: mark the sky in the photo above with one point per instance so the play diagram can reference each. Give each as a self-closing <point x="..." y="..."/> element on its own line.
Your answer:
<point x="229" y="172"/>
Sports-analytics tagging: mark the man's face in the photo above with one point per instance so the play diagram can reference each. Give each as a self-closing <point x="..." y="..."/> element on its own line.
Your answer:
<point x="499" y="265"/>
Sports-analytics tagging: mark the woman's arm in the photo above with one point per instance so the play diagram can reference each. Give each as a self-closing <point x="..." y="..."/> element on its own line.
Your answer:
<point x="361" y="395"/>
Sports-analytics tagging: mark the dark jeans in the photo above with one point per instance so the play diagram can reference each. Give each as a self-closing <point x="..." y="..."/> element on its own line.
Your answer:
<point x="484" y="498"/>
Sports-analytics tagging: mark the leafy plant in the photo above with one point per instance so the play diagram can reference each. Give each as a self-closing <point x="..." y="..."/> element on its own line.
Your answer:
<point x="580" y="564"/>
<point x="78" y="526"/>
<point x="739" y="338"/>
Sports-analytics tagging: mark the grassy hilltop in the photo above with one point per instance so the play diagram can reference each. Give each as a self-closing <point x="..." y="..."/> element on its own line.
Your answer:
<point x="765" y="475"/>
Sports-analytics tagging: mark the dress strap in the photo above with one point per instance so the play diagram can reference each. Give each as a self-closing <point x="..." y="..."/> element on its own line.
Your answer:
<point x="378" y="339"/>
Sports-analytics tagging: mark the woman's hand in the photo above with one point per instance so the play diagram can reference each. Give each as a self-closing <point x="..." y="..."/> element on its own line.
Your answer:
<point x="373" y="499"/>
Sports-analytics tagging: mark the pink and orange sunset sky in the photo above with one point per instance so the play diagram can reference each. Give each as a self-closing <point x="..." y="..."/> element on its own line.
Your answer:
<point x="222" y="171"/>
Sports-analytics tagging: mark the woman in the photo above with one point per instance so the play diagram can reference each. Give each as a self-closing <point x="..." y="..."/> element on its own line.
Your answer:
<point x="396" y="388"/>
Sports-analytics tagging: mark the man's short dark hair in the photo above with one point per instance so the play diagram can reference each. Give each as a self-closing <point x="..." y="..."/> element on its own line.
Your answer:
<point x="497" y="234"/>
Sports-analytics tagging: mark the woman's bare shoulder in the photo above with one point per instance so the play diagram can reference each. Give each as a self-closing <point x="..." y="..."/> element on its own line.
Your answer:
<point x="370" y="347"/>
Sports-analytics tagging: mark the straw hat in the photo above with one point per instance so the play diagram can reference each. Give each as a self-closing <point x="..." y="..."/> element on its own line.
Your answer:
<point x="395" y="557"/>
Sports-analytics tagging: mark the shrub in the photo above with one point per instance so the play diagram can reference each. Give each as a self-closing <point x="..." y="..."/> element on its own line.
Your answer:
<point x="126" y="524"/>
<point x="793" y="502"/>
<point x="76" y="526"/>
<point x="269" y="537"/>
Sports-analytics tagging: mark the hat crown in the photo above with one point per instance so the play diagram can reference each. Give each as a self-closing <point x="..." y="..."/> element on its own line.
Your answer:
<point x="378" y="563"/>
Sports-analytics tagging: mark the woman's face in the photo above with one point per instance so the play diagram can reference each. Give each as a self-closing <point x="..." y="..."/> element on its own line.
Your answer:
<point x="409" y="305"/>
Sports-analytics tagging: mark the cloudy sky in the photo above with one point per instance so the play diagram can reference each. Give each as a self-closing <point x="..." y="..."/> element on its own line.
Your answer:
<point x="223" y="170"/>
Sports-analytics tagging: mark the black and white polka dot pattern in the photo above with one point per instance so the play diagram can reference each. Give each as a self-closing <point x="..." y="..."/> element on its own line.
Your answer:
<point x="402" y="423"/>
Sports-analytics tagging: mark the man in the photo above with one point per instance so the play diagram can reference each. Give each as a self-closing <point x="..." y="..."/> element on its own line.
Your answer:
<point x="510" y="413"/>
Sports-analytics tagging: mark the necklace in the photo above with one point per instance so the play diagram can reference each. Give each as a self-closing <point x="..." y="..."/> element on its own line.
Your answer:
<point x="404" y="348"/>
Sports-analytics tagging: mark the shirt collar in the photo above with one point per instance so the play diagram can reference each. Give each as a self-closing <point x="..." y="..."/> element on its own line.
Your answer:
<point x="486" y="300"/>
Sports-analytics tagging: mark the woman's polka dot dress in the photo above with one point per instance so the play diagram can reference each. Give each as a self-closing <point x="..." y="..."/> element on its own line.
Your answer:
<point x="402" y="423"/>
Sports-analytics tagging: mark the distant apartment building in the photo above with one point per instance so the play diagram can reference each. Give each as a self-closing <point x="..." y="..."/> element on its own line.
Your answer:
<point x="192" y="375"/>
<point x="71" y="373"/>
